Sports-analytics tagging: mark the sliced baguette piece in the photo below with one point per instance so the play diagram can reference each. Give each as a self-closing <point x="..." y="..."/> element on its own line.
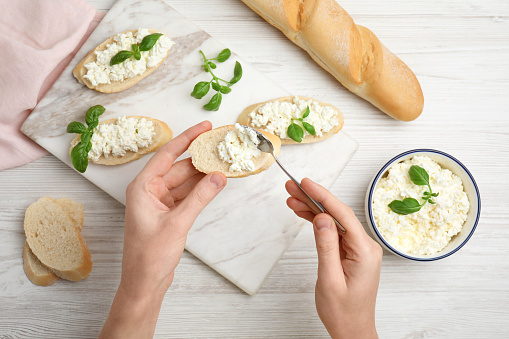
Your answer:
<point x="245" y="119"/>
<point x="163" y="135"/>
<point x="55" y="241"/>
<point x="205" y="156"/>
<point x="115" y="86"/>
<point x="34" y="269"/>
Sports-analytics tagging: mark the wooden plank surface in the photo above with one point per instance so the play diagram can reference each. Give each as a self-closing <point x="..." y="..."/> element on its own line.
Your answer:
<point x="460" y="52"/>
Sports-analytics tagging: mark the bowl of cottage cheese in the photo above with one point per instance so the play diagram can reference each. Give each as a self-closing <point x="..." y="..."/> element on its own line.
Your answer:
<point x="423" y="205"/>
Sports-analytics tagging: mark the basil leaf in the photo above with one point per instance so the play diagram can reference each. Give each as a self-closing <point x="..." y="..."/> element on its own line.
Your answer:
<point x="92" y="117"/>
<point x="224" y="55"/>
<point x="212" y="65"/>
<point x="149" y="41"/>
<point x="309" y="128"/>
<point x="76" y="127"/>
<point x="295" y="132"/>
<point x="136" y="50"/>
<point x="216" y="86"/>
<point x="200" y="89"/>
<point x="120" y="57"/>
<point x="214" y="103"/>
<point x="405" y="206"/>
<point x="225" y="89"/>
<point x="418" y="175"/>
<point x="306" y="113"/>
<point x="237" y="73"/>
<point x="79" y="156"/>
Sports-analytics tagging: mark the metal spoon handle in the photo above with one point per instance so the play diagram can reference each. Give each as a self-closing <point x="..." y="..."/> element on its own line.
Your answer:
<point x="317" y="204"/>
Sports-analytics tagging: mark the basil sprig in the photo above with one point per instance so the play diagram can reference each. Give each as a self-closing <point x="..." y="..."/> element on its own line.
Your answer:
<point x="145" y="45"/>
<point x="202" y="88"/>
<point x="420" y="177"/>
<point x="79" y="153"/>
<point x="295" y="132"/>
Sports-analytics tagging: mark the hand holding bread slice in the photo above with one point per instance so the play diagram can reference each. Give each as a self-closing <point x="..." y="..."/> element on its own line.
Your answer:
<point x="206" y="156"/>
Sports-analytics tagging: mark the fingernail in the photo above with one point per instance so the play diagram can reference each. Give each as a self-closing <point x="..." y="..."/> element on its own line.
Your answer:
<point x="217" y="180"/>
<point x="323" y="223"/>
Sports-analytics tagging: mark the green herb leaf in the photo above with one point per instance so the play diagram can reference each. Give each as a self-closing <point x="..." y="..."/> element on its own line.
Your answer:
<point x="216" y="86"/>
<point x="212" y="65"/>
<point x="121" y="57"/>
<point x="224" y="55"/>
<point x="92" y="117"/>
<point x="309" y="128"/>
<point x="295" y="132"/>
<point x="76" y="127"/>
<point x="237" y="73"/>
<point x="136" y="51"/>
<point x="418" y="175"/>
<point x="214" y="103"/>
<point x="200" y="89"/>
<point x="79" y="156"/>
<point x="306" y="113"/>
<point x="405" y="206"/>
<point x="149" y="41"/>
<point x="225" y="89"/>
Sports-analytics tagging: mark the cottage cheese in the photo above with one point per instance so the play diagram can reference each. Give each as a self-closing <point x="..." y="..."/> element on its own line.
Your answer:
<point x="431" y="228"/>
<point x="238" y="148"/>
<point x="127" y="134"/>
<point x="100" y="71"/>
<point x="275" y="117"/>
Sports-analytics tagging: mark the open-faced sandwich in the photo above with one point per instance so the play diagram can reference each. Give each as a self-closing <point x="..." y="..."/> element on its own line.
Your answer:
<point x="294" y="119"/>
<point x="123" y="60"/>
<point x="232" y="150"/>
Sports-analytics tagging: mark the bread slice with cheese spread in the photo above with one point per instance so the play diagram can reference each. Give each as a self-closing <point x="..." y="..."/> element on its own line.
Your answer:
<point x="205" y="154"/>
<point x="34" y="269"/>
<point x="55" y="240"/>
<point x="114" y="86"/>
<point x="246" y="119"/>
<point x="163" y="134"/>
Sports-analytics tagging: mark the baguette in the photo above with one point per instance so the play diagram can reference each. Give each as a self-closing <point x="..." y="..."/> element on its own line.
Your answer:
<point x="163" y="134"/>
<point x="245" y="119"/>
<point x="34" y="269"/>
<point x="205" y="154"/>
<point x="351" y="53"/>
<point x="55" y="241"/>
<point x="114" y="86"/>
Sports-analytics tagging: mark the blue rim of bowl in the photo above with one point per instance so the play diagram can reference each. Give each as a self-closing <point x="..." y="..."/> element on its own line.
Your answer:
<point x="382" y="171"/>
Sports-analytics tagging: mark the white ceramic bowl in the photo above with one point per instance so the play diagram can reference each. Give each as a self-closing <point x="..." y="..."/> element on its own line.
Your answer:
<point x="446" y="161"/>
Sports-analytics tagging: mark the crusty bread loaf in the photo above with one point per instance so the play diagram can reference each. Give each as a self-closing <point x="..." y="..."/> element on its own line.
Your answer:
<point x="55" y="241"/>
<point x="350" y="52"/>
<point x="162" y="136"/>
<point x="115" y="86"/>
<point x="34" y="269"/>
<point x="205" y="156"/>
<point x="245" y="119"/>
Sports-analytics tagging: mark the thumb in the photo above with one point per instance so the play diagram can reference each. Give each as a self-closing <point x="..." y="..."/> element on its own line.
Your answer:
<point x="327" y="246"/>
<point x="201" y="195"/>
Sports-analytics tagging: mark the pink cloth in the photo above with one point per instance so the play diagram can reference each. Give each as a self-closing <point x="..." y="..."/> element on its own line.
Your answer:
<point x="38" y="39"/>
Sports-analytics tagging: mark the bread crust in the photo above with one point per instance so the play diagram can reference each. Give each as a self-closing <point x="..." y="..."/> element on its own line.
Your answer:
<point x="115" y="86"/>
<point x="349" y="52"/>
<point x="45" y="277"/>
<point x="245" y="119"/>
<point x="205" y="156"/>
<point x="163" y="135"/>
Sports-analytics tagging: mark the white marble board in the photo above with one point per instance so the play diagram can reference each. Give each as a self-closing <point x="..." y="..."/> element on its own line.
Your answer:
<point x="244" y="232"/>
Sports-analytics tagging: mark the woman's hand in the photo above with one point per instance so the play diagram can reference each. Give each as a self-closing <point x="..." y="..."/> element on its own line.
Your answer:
<point x="348" y="264"/>
<point x="163" y="202"/>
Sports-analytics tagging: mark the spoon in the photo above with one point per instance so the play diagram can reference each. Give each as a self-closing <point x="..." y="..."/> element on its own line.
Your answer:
<point x="266" y="146"/>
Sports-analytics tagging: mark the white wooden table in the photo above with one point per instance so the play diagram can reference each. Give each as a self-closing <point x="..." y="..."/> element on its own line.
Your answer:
<point x="458" y="49"/>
